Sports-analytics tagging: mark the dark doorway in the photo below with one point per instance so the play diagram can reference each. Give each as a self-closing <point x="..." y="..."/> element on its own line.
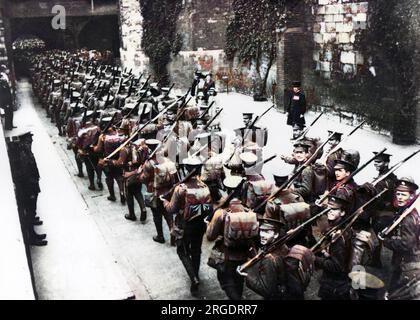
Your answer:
<point x="101" y="33"/>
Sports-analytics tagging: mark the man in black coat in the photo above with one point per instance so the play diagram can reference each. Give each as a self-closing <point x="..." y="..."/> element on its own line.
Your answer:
<point x="296" y="108"/>
<point x="26" y="179"/>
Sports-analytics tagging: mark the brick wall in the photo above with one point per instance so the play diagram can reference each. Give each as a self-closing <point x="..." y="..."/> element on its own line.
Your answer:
<point x="337" y="25"/>
<point x="203" y="23"/>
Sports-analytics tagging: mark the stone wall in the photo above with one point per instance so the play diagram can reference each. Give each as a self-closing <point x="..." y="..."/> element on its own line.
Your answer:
<point x="132" y="55"/>
<point x="232" y="76"/>
<point x="203" y="23"/>
<point x="338" y="24"/>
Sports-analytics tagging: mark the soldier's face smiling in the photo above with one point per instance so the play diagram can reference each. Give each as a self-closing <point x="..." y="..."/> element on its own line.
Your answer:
<point x="341" y="174"/>
<point x="335" y="213"/>
<point x="267" y="236"/>
<point x="402" y="198"/>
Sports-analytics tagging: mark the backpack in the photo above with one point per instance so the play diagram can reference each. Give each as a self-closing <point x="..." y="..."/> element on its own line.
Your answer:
<point x="191" y="113"/>
<point x="164" y="174"/>
<point x="306" y="262"/>
<point x="112" y="142"/>
<point x="257" y="192"/>
<point x="240" y="229"/>
<point x="198" y="202"/>
<point x="263" y="277"/>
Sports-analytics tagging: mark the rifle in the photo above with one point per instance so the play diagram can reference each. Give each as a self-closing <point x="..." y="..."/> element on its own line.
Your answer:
<point x="228" y="198"/>
<point x="137" y="105"/>
<point x="349" y="221"/>
<point x="138" y="80"/>
<point x="394" y="167"/>
<point x="385" y="232"/>
<point x="304" y="133"/>
<point x="248" y="128"/>
<point x="108" y="96"/>
<point x="294" y="176"/>
<point x="403" y="293"/>
<point x="167" y="93"/>
<point x="342" y="141"/>
<point x="186" y="178"/>
<point x="168" y="135"/>
<point x="130" y="88"/>
<point x="133" y="135"/>
<point x="146" y="82"/>
<point x="318" y="202"/>
<point x="278" y="242"/>
<point x="83" y="122"/>
<point x="212" y="119"/>
<point x="119" y="86"/>
<point x="203" y="114"/>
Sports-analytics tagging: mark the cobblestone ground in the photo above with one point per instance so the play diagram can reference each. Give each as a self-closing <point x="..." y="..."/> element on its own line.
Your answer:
<point x="153" y="271"/>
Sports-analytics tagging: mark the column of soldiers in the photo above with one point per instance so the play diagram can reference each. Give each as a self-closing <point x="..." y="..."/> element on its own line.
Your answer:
<point x="168" y="153"/>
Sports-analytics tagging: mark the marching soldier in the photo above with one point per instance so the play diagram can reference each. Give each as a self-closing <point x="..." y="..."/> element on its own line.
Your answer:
<point x="343" y="168"/>
<point x="256" y="189"/>
<point x="382" y="212"/>
<point x="132" y="157"/>
<point x="107" y="143"/>
<point x="405" y="245"/>
<point x="159" y="174"/>
<point x="284" y="273"/>
<point x="87" y="135"/>
<point x="191" y="202"/>
<point x="334" y="260"/>
<point x="302" y="185"/>
<point x="233" y="217"/>
<point x="254" y="134"/>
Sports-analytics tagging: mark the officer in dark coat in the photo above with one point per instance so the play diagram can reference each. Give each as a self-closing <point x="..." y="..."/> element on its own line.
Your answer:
<point x="296" y="108"/>
<point x="26" y="178"/>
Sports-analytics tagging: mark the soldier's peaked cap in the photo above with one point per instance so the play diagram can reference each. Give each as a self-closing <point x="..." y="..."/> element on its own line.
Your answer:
<point x="383" y="157"/>
<point x="343" y="164"/>
<point x="301" y="146"/>
<point x="247" y="114"/>
<point x="152" y="143"/>
<point x="336" y="135"/>
<point x="279" y="180"/>
<point x="406" y="184"/>
<point x="248" y="158"/>
<point x="232" y="182"/>
<point x="336" y="201"/>
<point x="296" y="83"/>
<point x="192" y="163"/>
<point x="106" y="119"/>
